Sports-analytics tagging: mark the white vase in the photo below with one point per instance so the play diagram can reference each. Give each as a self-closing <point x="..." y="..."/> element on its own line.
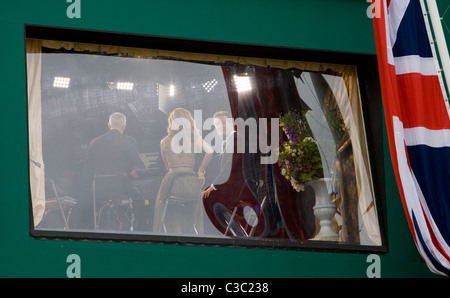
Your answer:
<point x="324" y="209"/>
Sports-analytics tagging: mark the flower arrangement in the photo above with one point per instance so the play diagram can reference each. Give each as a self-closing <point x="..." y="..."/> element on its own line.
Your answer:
<point x="299" y="158"/>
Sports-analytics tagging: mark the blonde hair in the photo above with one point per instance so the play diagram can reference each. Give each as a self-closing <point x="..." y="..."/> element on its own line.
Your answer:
<point x="225" y="114"/>
<point x="181" y="113"/>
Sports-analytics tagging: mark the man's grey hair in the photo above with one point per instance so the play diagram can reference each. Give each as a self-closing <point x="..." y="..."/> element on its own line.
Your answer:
<point x="117" y="120"/>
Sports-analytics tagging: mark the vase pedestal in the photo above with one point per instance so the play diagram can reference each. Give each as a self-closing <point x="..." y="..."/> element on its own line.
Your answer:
<point x="324" y="210"/>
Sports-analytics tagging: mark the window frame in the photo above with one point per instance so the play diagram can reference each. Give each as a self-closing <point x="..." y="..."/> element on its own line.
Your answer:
<point x="371" y="104"/>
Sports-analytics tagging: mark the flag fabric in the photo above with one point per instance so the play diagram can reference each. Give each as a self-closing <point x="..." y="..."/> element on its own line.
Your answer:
<point x="418" y="125"/>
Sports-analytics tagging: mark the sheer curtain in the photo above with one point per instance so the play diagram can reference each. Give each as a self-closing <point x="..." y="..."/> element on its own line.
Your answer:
<point x="351" y="112"/>
<point x="346" y="94"/>
<point x="36" y="163"/>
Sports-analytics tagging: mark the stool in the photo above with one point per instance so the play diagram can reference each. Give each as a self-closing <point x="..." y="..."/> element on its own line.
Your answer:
<point x="173" y="200"/>
<point x="111" y="190"/>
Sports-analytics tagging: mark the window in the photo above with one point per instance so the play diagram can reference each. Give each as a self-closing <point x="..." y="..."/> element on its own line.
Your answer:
<point x="161" y="145"/>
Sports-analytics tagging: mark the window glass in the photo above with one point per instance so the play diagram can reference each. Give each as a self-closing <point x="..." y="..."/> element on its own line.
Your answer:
<point x="160" y="145"/>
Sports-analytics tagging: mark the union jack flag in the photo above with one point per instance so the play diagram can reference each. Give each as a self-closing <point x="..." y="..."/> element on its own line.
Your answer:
<point x="418" y="126"/>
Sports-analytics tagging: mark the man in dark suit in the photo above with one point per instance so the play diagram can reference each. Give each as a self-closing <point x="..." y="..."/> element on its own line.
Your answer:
<point x="113" y="153"/>
<point x="223" y="160"/>
<point x="110" y="154"/>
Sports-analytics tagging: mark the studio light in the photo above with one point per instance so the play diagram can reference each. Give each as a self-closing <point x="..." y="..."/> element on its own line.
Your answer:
<point x="242" y="83"/>
<point x="61" y="82"/>
<point x="125" y="86"/>
<point x="209" y="85"/>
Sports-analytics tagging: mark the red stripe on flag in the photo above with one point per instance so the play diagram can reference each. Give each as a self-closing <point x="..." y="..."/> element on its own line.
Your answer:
<point x="390" y="103"/>
<point x="422" y="103"/>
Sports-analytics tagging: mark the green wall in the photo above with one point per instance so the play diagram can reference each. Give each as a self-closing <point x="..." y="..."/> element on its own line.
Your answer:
<point x="321" y="24"/>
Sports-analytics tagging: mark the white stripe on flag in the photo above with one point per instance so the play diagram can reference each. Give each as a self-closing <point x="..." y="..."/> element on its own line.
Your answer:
<point x="424" y="136"/>
<point x="397" y="10"/>
<point x="415" y="64"/>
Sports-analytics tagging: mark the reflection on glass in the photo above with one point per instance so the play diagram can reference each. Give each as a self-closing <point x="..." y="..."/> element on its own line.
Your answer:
<point x="185" y="148"/>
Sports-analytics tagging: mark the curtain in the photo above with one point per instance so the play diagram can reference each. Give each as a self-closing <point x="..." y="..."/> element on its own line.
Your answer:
<point x="349" y="106"/>
<point x="277" y="94"/>
<point x="36" y="163"/>
<point x="271" y="93"/>
<point x="312" y="87"/>
<point x="153" y="53"/>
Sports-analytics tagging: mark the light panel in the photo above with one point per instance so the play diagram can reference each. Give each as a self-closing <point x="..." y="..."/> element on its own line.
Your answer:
<point x="242" y="83"/>
<point x="125" y="86"/>
<point x="61" y="82"/>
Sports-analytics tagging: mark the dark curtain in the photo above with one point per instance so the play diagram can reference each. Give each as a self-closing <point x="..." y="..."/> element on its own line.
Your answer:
<point x="278" y="94"/>
<point x="273" y="92"/>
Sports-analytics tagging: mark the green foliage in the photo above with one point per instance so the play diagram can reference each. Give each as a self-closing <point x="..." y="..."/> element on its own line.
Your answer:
<point x="299" y="158"/>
